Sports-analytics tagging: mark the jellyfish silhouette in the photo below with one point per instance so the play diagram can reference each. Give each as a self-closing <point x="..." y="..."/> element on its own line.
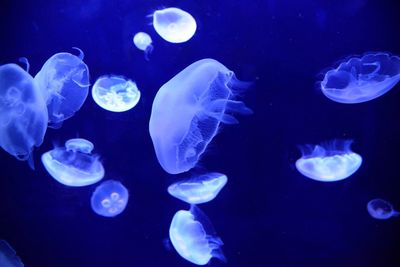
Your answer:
<point x="329" y="162"/>
<point x="360" y="79"/>
<point x="187" y="111"/>
<point x="381" y="209"/>
<point x="74" y="165"/>
<point x="23" y="113"/>
<point x="64" y="83"/>
<point x="115" y="93"/>
<point x="143" y="42"/>
<point x="8" y="256"/>
<point x="109" y="198"/>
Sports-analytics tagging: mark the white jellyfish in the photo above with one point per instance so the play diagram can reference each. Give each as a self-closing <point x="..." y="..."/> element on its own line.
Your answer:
<point x="381" y="209"/>
<point x="143" y="42"/>
<point x="8" y="256"/>
<point x="109" y="198"/>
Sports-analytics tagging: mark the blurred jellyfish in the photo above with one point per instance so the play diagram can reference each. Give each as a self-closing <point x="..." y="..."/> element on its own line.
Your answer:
<point x="8" y="256"/>
<point x="381" y="209"/>
<point x="143" y="42"/>
<point x="193" y="237"/>
<point x="360" y="79"/>
<point x="109" y="199"/>
<point x="330" y="162"/>
<point x="187" y="111"/>
<point x="115" y="93"/>
<point x="74" y="165"/>
<point x="23" y="113"/>
<point x="64" y="83"/>
<point x="200" y="189"/>
<point x="174" y="25"/>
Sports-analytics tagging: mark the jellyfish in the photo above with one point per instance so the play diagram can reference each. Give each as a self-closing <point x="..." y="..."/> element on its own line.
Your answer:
<point x="381" y="209"/>
<point x="109" y="198"/>
<point x="174" y="25"/>
<point x="143" y="42"/>
<point x="188" y="110"/>
<point x="200" y="189"/>
<point x="329" y="162"/>
<point x="64" y="83"/>
<point x="193" y="237"/>
<point x="361" y="79"/>
<point x="8" y="256"/>
<point x="115" y="93"/>
<point x="23" y="113"/>
<point x="74" y="164"/>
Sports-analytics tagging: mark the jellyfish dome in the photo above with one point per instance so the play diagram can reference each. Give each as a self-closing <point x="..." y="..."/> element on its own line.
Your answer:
<point x="381" y="209"/>
<point x="109" y="198"/>
<point x="192" y="236"/>
<point x="23" y="113"/>
<point x="200" y="189"/>
<point x="64" y="83"/>
<point x="360" y="79"/>
<point x="74" y="165"/>
<point x="174" y="25"/>
<point x="8" y="256"/>
<point x="329" y="162"/>
<point x="188" y="110"/>
<point x="143" y="42"/>
<point x="115" y="93"/>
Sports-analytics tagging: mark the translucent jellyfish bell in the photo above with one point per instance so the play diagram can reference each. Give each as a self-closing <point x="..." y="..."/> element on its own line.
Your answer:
<point x="8" y="257"/>
<point x="109" y="199"/>
<point x="329" y="162"/>
<point x="200" y="189"/>
<point x="115" y="93"/>
<point x="74" y="165"/>
<point x="193" y="237"/>
<point x="360" y="79"/>
<point x="188" y="110"/>
<point x="174" y="25"/>
<point x="143" y="42"/>
<point x="381" y="209"/>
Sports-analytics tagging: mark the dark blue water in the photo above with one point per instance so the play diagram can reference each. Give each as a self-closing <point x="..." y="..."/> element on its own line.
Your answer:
<point x="268" y="214"/>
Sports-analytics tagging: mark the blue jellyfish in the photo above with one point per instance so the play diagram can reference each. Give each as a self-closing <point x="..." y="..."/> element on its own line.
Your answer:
<point x="115" y="93"/>
<point x="64" y="82"/>
<point x="187" y="111"/>
<point x="8" y="257"/>
<point x="193" y="237"/>
<point x="174" y="25"/>
<point x="360" y="79"/>
<point x="381" y="209"/>
<point x="330" y="162"/>
<point x="23" y="113"/>
<point x="143" y="42"/>
<point x="109" y="199"/>
<point x="200" y="189"/>
<point x="74" y="165"/>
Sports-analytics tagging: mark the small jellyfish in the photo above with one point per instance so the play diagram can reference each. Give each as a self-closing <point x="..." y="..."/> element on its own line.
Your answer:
<point x="381" y="209"/>
<point x="200" y="189"/>
<point x="115" y="93"/>
<point x="360" y="79"/>
<point x="64" y="83"/>
<point x="330" y="162"/>
<point x="143" y="42"/>
<point x="74" y="165"/>
<point x="193" y="237"/>
<point x="188" y="110"/>
<point x="109" y="198"/>
<point x="8" y="257"/>
<point x="174" y="25"/>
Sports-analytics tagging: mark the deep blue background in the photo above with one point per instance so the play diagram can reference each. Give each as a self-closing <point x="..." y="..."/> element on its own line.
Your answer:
<point x="268" y="214"/>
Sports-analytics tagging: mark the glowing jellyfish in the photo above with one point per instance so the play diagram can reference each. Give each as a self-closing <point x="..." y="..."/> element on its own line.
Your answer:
<point x="174" y="25"/>
<point x="8" y="257"/>
<point x="109" y="199"/>
<point x="360" y="79"/>
<point x="74" y="165"/>
<point x="64" y="82"/>
<point x="330" y="162"/>
<point x="143" y="42"/>
<point x="200" y="189"/>
<point x="187" y="111"/>
<point x="115" y="93"/>
<point x="193" y="237"/>
<point x="23" y="113"/>
<point x="381" y="209"/>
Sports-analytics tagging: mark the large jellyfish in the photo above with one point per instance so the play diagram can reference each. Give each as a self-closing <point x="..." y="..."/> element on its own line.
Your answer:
<point x="109" y="198"/>
<point x="200" y="189"/>
<point x="23" y="113"/>
<point x="64" y="83"/>
<point x="115" y="93"/>
<point x="174" y="25"/>
<point x="74" y="165"/>
<point x="381" y="209"/>
<point x="193" y="237"/>
<point x="8" y="257"/>
<point x="187" y="111"/>
<point x="360" y="79"/>
<point x="329" y="162"/>
<point x="143" y="42"/>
